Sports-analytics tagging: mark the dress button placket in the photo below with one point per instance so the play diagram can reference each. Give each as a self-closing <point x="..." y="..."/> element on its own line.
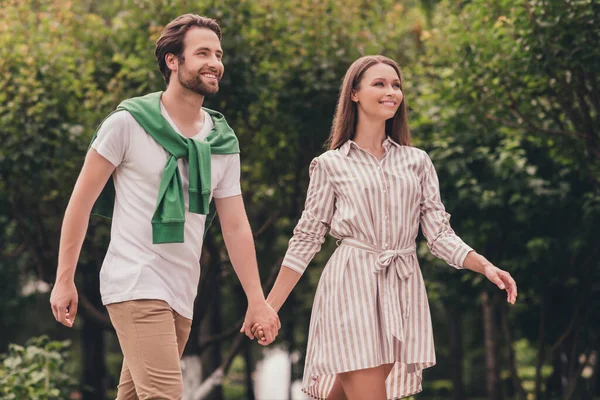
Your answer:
<point x="386" y="202"/>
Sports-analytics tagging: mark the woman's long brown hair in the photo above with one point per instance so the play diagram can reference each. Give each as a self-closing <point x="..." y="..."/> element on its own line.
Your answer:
<point x="346" y="112"/>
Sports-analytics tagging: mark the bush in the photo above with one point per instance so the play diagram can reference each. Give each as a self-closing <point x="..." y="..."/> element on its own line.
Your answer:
<point x="36" y="371"/>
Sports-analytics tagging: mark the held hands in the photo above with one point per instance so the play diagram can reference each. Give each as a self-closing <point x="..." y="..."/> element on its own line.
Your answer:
<point x="64" y="301"/>
<point x="503" y="280"/>
<point x="263" y="315"/>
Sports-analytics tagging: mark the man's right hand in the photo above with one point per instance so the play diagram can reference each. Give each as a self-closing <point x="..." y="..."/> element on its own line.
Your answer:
<point x="263" y="314"/>
<point x="64" y="301"/>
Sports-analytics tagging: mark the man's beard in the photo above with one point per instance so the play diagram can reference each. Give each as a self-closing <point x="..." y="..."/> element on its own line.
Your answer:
<point x="194" y="83"/>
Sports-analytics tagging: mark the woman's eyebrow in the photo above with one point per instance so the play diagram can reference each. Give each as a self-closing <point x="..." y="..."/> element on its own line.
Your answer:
<point x="395" y="80"/>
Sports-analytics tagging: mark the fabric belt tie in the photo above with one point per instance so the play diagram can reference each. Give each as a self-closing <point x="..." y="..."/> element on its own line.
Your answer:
<point x="389" y="282"/>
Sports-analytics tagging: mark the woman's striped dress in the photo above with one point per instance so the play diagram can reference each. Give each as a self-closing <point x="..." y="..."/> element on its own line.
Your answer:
<point x="371" y="307"/>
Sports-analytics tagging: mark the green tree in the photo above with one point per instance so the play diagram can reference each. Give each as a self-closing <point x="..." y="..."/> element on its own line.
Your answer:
<point x="509" y="109"/>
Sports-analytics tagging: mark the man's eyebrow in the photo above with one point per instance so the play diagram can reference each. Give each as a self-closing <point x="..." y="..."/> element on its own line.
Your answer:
<point x="218" y="51"/>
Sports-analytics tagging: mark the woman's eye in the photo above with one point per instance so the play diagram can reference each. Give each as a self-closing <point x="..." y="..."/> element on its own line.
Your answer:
<point x="397" y="86"/>
<point x="378" y="83"/>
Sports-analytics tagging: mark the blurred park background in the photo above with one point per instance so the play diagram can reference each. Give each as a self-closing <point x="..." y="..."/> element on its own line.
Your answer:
<point x="503" y="94"/>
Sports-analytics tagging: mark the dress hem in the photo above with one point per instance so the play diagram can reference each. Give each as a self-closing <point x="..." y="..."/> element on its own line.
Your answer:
<point x="422" y="365"/>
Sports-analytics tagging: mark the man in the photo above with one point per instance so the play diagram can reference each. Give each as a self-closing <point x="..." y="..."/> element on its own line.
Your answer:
<point x="153" y="166"/>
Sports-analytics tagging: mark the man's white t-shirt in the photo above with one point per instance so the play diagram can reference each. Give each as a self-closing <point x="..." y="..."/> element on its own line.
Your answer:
<point x="134" y="268"/>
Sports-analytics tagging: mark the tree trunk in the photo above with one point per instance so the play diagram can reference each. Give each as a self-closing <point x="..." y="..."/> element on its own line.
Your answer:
<point x="519" y="392"/>
<point x="92" y="341"/>
<point x="590" y="382"/>
<point x="553" y="381"/>
<point x="3" y="335"/>
<point x="540" y="352"/>
<point x="249" y="369"/>
<point x="210" y="264"/>
<point x="456" y="352"/>
<point x="211" y="325"/>
<point x="564" y="370"/>
<point x="289" y="338"/>
<point x="491" y="362"/>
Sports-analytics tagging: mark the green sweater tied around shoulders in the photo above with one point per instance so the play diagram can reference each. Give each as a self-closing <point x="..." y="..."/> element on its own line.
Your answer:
<point x="169" y="217"/>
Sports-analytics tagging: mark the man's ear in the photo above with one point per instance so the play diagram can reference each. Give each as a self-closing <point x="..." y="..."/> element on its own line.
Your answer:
<point x="171" y="61"/>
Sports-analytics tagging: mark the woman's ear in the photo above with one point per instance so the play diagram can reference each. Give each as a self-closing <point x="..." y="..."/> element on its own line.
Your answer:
<point x="354" y="97"/>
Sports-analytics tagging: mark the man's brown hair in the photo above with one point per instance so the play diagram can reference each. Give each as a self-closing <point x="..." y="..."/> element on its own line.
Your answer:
<point x="171" y="38"/>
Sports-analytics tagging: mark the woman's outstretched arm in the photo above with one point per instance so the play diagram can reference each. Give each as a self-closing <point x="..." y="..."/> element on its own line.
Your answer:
<point x="309" y="235"/>
<point x="445" y="244"/>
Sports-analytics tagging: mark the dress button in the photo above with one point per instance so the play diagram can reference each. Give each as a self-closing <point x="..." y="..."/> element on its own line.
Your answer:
<point x="385" y="245"/>
<point x="315" y="378"/>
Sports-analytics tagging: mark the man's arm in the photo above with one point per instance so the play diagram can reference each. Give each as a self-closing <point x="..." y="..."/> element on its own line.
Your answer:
<point x="240" y="246"/>
<point x="94" y="175"/>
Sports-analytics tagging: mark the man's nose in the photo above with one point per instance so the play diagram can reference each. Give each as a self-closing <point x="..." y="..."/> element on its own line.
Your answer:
<point x="214" y="63"/>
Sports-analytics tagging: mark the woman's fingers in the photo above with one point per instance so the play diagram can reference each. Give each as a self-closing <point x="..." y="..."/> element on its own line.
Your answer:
<point x="497" y="280"/>
<point x="511" y="286"/>
<point x="258" y="332"/>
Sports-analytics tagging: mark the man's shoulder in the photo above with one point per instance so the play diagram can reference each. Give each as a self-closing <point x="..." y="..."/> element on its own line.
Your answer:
<point x="119" y="117"/>
<point x="144" y="100"/>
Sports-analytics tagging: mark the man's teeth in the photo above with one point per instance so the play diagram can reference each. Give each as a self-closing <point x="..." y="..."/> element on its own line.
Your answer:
<point x="210" y="76"/>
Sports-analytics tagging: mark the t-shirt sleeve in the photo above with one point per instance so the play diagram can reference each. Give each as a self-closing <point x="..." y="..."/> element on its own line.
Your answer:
<point x="112" y="139"/>
<point x="229" y="185"/>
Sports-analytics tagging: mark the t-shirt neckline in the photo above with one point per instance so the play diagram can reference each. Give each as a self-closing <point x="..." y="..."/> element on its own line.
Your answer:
<point x="201" y="135"/>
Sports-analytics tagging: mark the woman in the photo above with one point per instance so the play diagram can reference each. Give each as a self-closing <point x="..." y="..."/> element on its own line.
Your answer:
<point x="372" y="190"/>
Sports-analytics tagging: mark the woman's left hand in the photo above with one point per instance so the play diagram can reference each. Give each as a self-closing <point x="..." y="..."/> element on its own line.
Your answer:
<point x="503" y="280"/>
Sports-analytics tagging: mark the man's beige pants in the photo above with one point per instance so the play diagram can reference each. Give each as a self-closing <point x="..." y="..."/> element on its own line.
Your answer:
<point x="152" y="337"/>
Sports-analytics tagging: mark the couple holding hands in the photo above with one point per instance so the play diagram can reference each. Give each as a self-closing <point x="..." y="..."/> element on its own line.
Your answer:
<point x="156" y="163"/>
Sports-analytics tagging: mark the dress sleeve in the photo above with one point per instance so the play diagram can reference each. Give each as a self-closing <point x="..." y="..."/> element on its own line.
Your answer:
<point x="435" y="221"/>
<point x="309" y="233"/>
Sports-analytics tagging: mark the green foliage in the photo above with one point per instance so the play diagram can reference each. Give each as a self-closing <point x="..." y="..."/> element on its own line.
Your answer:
<point x="504" y="96"/>
<point x="36" y="371"/>
<point x="50" y="101"/>
<point x="506" y="118"/>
